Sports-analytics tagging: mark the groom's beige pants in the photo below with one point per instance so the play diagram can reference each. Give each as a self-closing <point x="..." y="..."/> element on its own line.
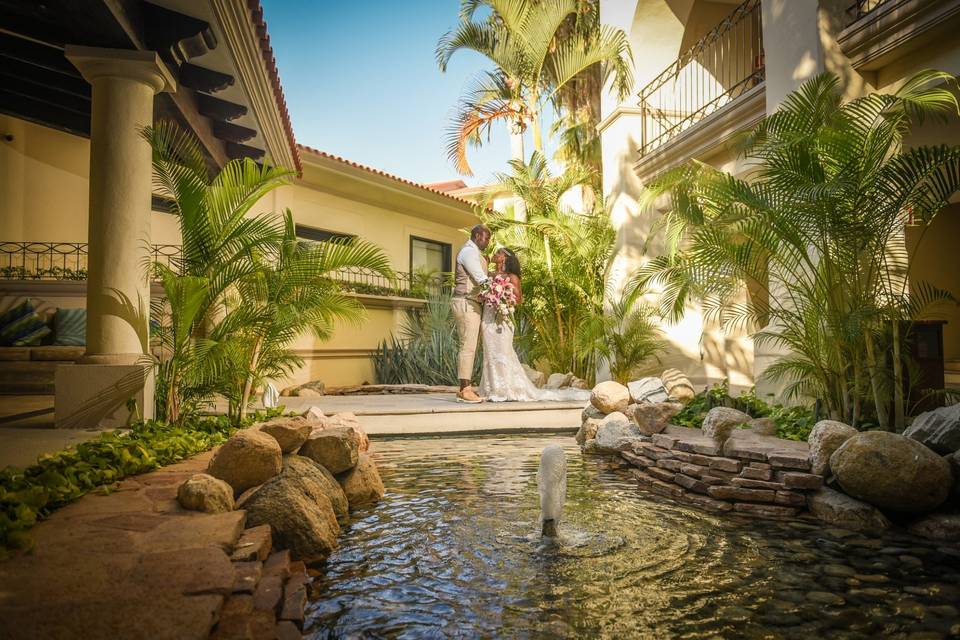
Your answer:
<point x="467" y="313"/>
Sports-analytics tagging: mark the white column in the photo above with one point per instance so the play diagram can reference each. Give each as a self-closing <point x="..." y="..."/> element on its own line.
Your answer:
<point x="115" y="367"/>
<point x="792" y="49"/>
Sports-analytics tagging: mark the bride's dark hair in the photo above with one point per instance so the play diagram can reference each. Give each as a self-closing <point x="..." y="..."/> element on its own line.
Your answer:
<point x="512" y="263"/>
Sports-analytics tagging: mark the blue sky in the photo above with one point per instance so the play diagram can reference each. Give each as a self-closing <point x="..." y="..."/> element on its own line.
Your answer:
<point x="361" y="81"/>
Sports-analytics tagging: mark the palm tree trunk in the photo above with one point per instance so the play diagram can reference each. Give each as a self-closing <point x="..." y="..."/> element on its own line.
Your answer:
<point x="882" y="418"/>
<point x="898" y="408"/>
<point x="248" y="383"/>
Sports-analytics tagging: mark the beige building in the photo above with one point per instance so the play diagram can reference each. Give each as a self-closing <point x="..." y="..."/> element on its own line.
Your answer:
<point x="708" y="69"/>
<point x="78" y="219"/>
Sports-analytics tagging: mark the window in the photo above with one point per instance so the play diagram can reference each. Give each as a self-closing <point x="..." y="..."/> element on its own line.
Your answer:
<point x="319" y="235"/>
<point x="429" y="255"/>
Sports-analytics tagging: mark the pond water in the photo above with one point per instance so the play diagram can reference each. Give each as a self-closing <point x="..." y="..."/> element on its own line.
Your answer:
<point x="453" y="551"/>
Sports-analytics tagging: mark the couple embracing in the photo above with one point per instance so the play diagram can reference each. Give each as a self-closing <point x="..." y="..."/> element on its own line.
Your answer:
<point x="484" y="306"/>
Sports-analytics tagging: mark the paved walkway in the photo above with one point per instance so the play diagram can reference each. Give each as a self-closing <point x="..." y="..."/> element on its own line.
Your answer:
<point x="132" y="564"/>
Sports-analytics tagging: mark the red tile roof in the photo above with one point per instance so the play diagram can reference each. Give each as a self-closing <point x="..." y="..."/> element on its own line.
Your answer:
<point x="447" y="185"/>
<point x="260" y="26"/>
<point x="379" y="172"/>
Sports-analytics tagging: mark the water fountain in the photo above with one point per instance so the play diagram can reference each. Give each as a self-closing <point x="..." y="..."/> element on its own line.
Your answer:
<point x="552" y="481"/>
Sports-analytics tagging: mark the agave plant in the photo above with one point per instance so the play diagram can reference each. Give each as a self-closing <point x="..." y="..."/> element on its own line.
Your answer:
<point x="806" y="245"/>
<point x="537" y="55"/>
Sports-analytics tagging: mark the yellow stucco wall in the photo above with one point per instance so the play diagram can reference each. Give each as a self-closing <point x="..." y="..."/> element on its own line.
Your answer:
<point x="44" y="198"/>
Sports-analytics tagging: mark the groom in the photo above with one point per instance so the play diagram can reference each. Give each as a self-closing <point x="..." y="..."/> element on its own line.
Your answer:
<point x="471" y="272"/>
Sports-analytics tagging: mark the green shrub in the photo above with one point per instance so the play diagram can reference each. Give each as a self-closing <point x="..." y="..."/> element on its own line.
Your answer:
<point x="31" y="494"/>
<point x="792" y="423"/>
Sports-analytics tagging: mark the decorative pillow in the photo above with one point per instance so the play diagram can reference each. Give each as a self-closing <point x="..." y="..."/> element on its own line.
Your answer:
<point x="21" y="326"/>
<point x="70" y="327"/>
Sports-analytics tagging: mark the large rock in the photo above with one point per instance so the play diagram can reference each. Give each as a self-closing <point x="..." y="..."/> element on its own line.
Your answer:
<point x="616" y="433"/>
<point x="591" y="411"/>
<point x="891" y="471"/>
<point x="649" y="389"/>
<point x="558" y="381"/>
<point x="938" y="526"/>
<point x="336" y="448"/>
<point x="588" y="430"/>
<point x="954" y="461"/>
<point x="678" y="386"/>
<point x="299" y="513"/>
<point x="248" y="458"/>
<point x="314" y="414"/>
<point x="537" y="378"/>
<point x="609" y="397"/>
<point x="825" y="438"/>
<point x="202" y="492"/>
<point x="290" y="432"/>
<point x="345" y="419"/>
<point x="720" y="422"/>
<point x="841" y="510"/>
<point x="579" y="383"/>
<point x="362" y="484"/>
<point x="305" y="471"/>
<point x="938" y="429"/>
<point x="654" y="418"/>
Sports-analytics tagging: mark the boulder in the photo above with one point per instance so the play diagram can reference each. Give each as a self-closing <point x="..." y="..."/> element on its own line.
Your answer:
<point x="678" y="386"/>
<point x="937" y="526"/>
<point x="299" y="513"/>
<point x="588" y="430"/>
<point x="336" y="449"/>
<point x="362" y="484"/>
<point x="609" y="397"/>
<point x="763" y="426"/>
<point x="649" y="389"/>
<point x="579" y="383"/>
<point x="720" y="422"/>
<point x="312" y="389"/>
<point x="938" y="429"/>
<point x="537" y="378"/>
<point x="314" y="414"/>
<point x="248" y="458"/>
<point x="843" y="511"/>
<point x="825" y="438"/>
<point x="558" y="381"/>
<point x="202" y="492"/>
<point x="891" y="471"/>
<point x="591" y="411"/>
<point x="305" y="471"/>
<point x="345" y="419"/>
<point x="652" y="418"/>
<point x="616" y="433"/>
<point x="954" y="461"/>
<point x="289" y="431"/>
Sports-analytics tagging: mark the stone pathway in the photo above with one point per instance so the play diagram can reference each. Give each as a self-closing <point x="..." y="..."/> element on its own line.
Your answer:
<point x="133" y="564"/>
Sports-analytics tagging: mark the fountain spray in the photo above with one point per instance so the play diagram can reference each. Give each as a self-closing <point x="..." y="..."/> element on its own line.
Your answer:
<point x="552" y="481"/>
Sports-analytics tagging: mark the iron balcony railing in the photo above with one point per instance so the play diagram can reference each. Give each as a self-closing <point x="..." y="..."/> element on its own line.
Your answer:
<point x="68" y="261"/>
<point x="860" y="8"/>
<point x="722" y="66"/>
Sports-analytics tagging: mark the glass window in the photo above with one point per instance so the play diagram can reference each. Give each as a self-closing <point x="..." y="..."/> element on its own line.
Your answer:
<point x="320" y="235"/>
<point x="429" y="255"/>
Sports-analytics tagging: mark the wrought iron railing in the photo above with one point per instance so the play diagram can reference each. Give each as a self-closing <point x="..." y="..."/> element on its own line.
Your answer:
<point x="722" y="66"/>
<point x="860" y="8"/>
<point x="68" y="261"/>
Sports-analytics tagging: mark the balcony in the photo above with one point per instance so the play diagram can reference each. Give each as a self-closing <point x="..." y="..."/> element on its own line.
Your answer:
<point x="713" y="90"/>
<point x="880" y="32"/>
<point x="60" y="269"/>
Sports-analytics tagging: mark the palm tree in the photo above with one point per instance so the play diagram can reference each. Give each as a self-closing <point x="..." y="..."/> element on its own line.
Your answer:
<point x="536" y="58"/>
<point x="807" y="245"/>
<point x="292" y="291"/>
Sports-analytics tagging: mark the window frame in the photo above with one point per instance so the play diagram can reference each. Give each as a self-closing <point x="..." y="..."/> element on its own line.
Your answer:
<point x="320" y="235"/>
<point x="446" y="248"/>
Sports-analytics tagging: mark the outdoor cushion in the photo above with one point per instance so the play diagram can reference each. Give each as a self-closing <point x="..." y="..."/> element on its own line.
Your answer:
<point x="21" y="326"/>
<point x="70" y="327"/>
<point x="56" y="353"/>
<point x="14" y="354"/>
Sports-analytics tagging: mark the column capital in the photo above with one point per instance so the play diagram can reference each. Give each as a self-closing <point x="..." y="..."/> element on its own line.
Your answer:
<point x="143" y="66"/>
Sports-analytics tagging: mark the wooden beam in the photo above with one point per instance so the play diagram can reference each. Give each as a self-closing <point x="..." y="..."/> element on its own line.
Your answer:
<point x="205" y="80"/>
<point x="218" y="109"/>
<point x="175" y="36"/>
<point x="44" y="93"/>
<point x="44" y="113"/>
<point x="39" y="55"/>
<point x="75" y="86"/>
<point x="232" y="132"/>
<point x="235" y="150"/>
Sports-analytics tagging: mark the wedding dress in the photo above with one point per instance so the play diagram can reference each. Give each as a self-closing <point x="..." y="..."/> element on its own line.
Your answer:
<point x="503" y="378"/>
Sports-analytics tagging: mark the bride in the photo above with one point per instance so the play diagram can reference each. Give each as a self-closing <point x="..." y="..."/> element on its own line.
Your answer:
<point x="503" y="378"/>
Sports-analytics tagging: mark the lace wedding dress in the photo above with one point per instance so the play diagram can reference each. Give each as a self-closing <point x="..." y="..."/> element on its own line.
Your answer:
<point x="503" y="378"/>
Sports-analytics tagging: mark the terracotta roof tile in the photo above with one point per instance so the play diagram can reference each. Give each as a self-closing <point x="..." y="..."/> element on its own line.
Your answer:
<point x="260" y="26"/>
<point x="379" y="172"/>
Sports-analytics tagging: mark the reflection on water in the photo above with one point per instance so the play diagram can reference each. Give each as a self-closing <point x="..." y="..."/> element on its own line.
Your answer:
<point x="453" y="551"/>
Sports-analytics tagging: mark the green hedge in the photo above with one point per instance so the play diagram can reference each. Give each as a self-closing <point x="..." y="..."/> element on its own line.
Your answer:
<point x="31" y="494"/>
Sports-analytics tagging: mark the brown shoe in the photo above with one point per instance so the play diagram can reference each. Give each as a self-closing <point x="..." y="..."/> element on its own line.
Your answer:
<point x="469" y="396"/>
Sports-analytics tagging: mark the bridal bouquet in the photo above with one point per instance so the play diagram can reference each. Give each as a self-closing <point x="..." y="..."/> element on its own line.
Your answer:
<point x="497" y="292"/>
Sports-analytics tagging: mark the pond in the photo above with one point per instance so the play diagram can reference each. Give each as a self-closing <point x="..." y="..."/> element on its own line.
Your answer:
<point x="453" y="551"/>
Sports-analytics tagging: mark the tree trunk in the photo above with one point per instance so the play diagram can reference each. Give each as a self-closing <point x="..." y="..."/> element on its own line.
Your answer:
<point x="898" y="409"/>
<point x="248" y="383"/>
<point x="882" y="418"/>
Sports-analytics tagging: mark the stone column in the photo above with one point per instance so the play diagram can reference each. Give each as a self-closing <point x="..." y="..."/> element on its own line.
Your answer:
<point x="124" y="83"/>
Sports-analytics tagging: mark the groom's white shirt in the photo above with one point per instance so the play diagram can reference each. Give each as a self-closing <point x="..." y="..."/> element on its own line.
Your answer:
<point x="470" y="259"/>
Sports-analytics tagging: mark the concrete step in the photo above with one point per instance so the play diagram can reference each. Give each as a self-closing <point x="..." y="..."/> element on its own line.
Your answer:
<point x="27" y="377"/>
